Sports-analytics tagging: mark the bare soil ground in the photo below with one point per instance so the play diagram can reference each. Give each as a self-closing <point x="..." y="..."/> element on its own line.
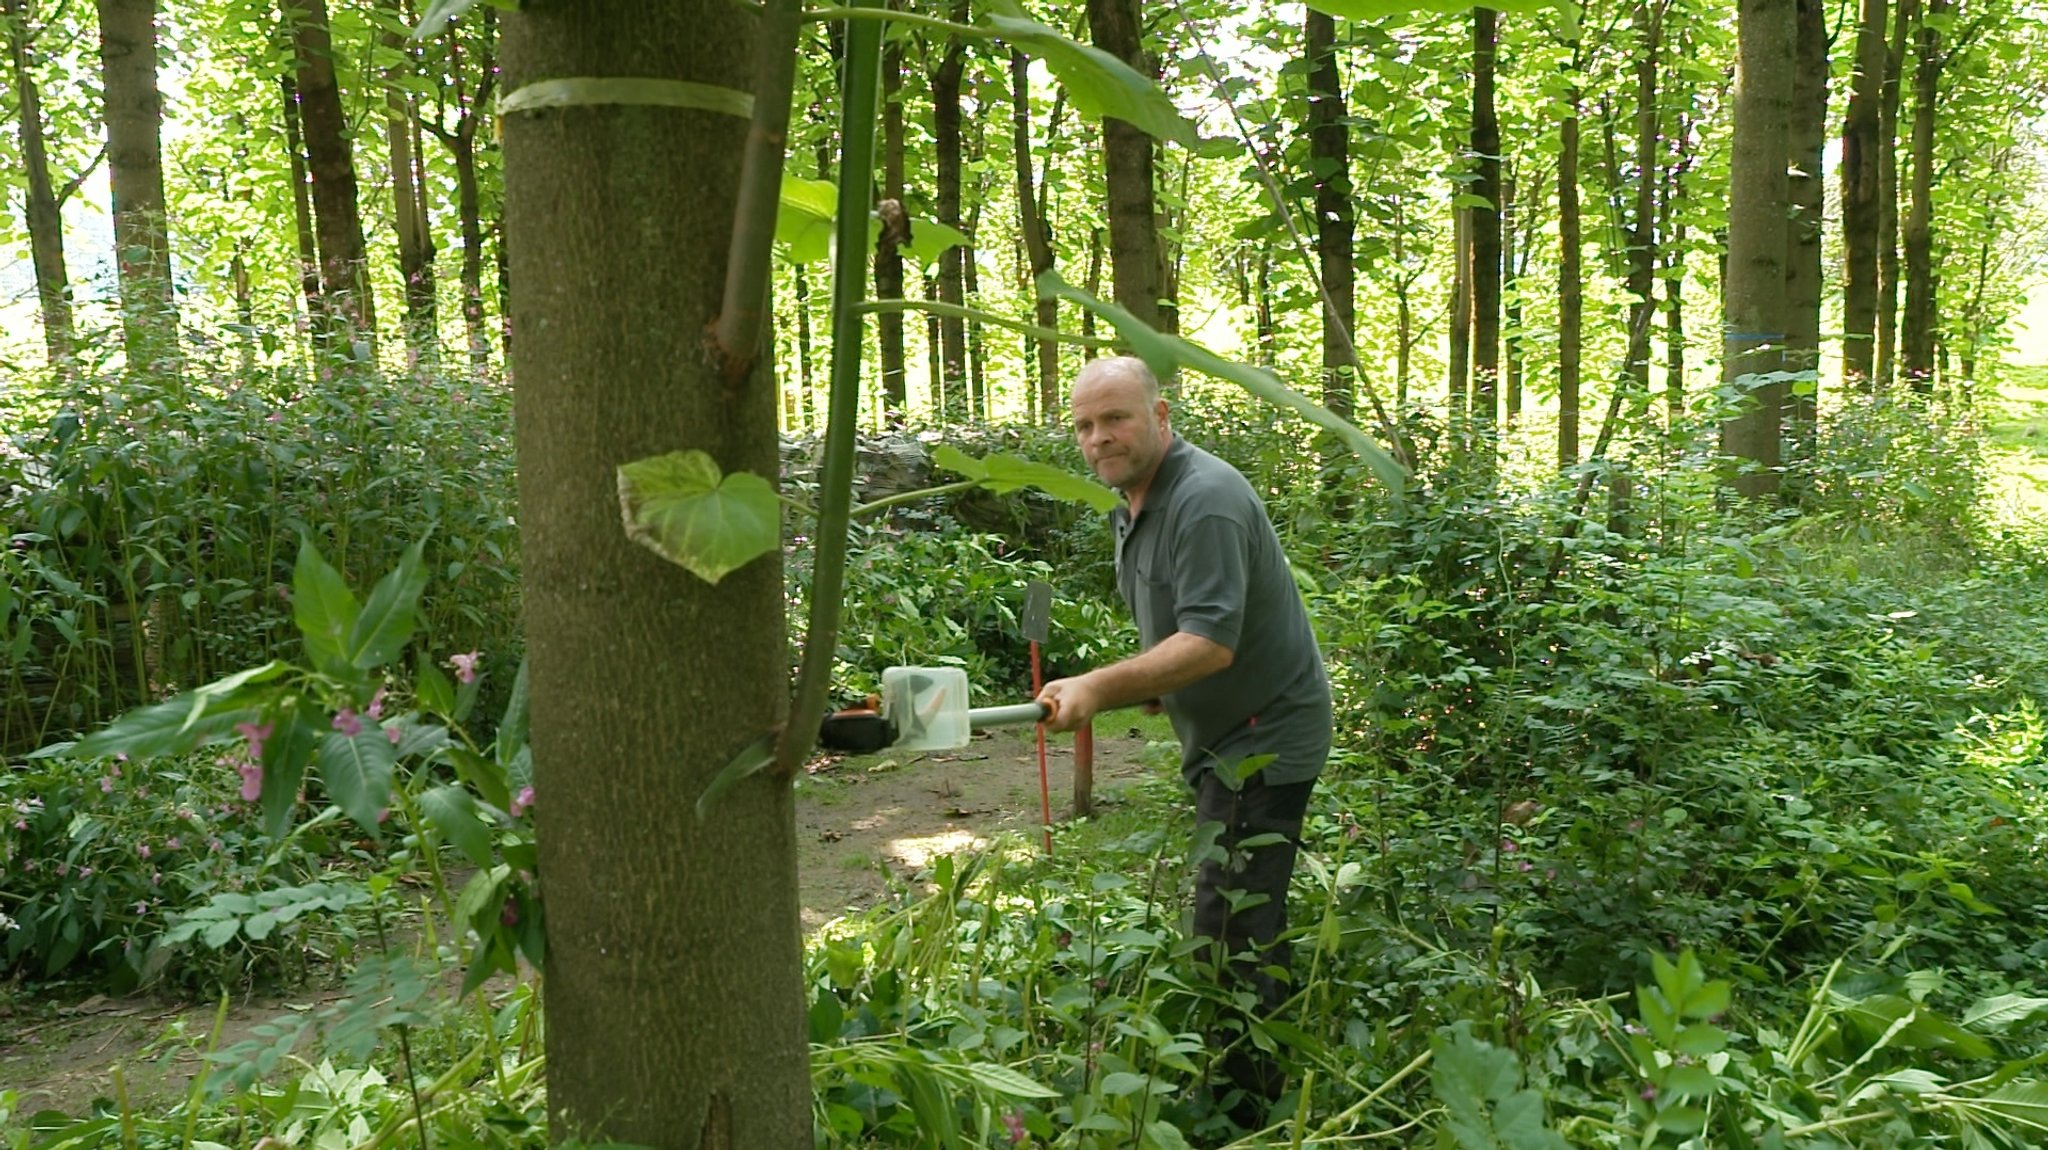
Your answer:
<point x="862" y="823"/>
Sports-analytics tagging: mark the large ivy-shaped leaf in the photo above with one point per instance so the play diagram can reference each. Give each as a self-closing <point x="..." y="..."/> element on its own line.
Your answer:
<point x="803" y="225"/>
<point x="1098" y="83"/>
<point x="1006" y="473"/>
<point x="1165" y="354"/>
<point x="682" y="508"/>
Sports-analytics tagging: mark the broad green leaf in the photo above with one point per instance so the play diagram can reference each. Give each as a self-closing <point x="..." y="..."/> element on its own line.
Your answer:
<point x="389" y="614"/>
<point x="166" y="728"/>
<point x="512" y="725"/>
<point x="1690" y="1080"/>
<point x="750" y="760"/>
<point x="285" y="755"/>
<point x="452" y="811"/>
<point x="1997" y="1013"/>
<point x="1165" y="354"/>
<point x="1098" y="83"/>
<point x="1122" y="1082"/>
<point x="1700" y="1040"/>
<point x="929" y="239"/>
<point x="681" y="507"/>
<point x="486" y="891"/>
<point x="2023" y="1102"/>
<point x="436" y="693"/>
<point x="1006" y="473"/>
<point x="1005" y="1081"/>
<point x="357" y="772"/>
<point x="439" y="15"/>
<point x="487" y="777"/>
<point x="323" y="608"/>
<point x="803" y="223"/>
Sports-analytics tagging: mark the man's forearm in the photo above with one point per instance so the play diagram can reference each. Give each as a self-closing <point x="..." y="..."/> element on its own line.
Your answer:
<point x="1179" y="660"/>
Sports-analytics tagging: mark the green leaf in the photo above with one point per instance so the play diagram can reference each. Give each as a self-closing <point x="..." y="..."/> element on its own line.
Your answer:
<point x="757" y="755"/>
<point x="1006" y="473"/>
<point x="2024" y="1102"/>
<point x="1480" y="1087"/>
<point x="681" y="508"/>
<point x="1122" y="1082"/>
<point x="452" y="811"/>
<point x="389" y="615"/>
<point x="1700" y="1040"/>
<point x="436" y="693"/>
<point x="439" y="15"/>
<point x="1003" y="1080"/>
<point x="803" y="223"/>
<point x="513" y="725"/>
<point x="357" y="772"/>
<point x="1098" y="83"/>
<point x="323" y="608"/>
<point x="487" y="777"/>
<point x="1997" y="1013"/>
<point x="1380" y="10"/>
<point x="929" y="239"/>
<point x="166" y="728"/>
<point x="285" y="755"/>
<point x="1165" y="354"/>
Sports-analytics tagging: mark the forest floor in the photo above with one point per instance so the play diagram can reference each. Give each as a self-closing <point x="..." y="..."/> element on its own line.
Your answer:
<point x="866" y="826"/>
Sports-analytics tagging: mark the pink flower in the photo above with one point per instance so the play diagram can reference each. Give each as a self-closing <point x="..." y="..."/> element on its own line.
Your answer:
<point x="393" y="734"/>
<point x="107" y="784"/>
<point x="465" y="666"/>
<point x="255" y="734"/>
<point x="142" y="849"/>
<point x="508" y="915"/>
<point x="173" y="843"/>
<point x="347" y="723"/>
<point x="522" y="802"/>
<point x="252" y="781"/>
<point x="376" y="708"/>
<point x="1013" y="1124"/>
<point x="142" y="908"/>
<point x="384" y="814"/>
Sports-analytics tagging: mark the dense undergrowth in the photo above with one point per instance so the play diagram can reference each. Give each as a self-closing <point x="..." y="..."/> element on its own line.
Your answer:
<point x="1653" y="822"/>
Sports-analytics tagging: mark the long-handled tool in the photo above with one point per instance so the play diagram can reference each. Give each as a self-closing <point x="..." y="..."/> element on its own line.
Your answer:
<point x="1037" y="622"/>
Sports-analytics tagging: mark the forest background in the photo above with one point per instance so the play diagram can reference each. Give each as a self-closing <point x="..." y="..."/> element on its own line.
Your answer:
<point x="1683" y="593"/>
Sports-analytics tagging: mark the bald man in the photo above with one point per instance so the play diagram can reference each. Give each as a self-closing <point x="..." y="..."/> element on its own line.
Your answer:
<point x="1228" y="650"/>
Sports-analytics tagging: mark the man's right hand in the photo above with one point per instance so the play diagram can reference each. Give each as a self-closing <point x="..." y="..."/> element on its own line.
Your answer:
<point x="1069" y="703"/>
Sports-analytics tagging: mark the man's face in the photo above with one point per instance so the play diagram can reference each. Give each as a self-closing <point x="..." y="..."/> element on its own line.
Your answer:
<point x="1122" y="435"/>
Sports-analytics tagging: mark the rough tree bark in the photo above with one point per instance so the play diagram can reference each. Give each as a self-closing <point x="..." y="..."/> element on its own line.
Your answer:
<point x="460" y="140"/>
<point x="135" y="175"/>
<point x="946" y="140"/>
<point x="1137" y="271"/>
<point x="302" y="203"/>
<point x="409" y="203"/>
<point x="1642" y="237"/>
<point x="1860" y="157"/>
<point x="888" y="257"/>
<point x="1916" y="335"/>
<point x="337" y="218"/>
<point x="1753" y="290"/>
<point x="41" y="209"/>
<point x="675" y="1005"/>
<point x="1330" y="160"/>
<point x="1571" y="280"/>
<point x="1037" y="236"/>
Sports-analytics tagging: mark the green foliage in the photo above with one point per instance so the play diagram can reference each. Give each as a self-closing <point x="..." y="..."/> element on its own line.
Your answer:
<point x="683" y="508"/>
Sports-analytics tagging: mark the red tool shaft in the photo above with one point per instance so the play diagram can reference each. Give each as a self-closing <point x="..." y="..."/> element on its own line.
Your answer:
<point x="1044" y="782"/>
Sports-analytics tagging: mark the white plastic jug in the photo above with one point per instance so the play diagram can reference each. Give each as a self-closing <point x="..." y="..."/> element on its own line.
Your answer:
<point x="928" y="706"/>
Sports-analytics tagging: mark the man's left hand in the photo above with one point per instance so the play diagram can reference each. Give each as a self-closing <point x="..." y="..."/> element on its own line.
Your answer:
<point x="1070" y="703"/>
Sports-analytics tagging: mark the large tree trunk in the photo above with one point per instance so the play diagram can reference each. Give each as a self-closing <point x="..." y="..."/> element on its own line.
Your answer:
<point x="1127" y="159"/>
<point x="1860" y="156"/>
<point x="1903" y="22"/>
<point x="337" y="220"/>
<point x="1037" y="233"/>
<point x="1807" y="189"/>
<point x="42" y="211"/>
<point x="1916" y="342"/>
<point x="1485" y="225"/>
<point x="135" y="175"/>
<point x="888" y="258"/>
<point x="409" y="205"/>
<point x="1330" y="159"/>
<point x="946" y="140"/>
<point x="1753" y="291"/>
<point x="1571" y="283"/>
<point x="675" y="1004"/>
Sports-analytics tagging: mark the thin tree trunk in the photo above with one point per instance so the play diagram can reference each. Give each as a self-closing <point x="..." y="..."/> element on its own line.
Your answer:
<point x="800" y="415"/>
<point x="946" y="81"/>
<point x="302" y="206"/>
<point x="1807" y="189"/>
<point x="42" y="211"/>
<point x="1904" y="21"/>
<point x="1754" y="289"/>
<point x="1861" y="154"/>
<point x="135" y="175"/>
<point x="977" y="351"/>
<point x="1330" y="158"/>
<point x="1127" y="157"/>
<point x="1268" y="332"/>
<point x="1916" y="342"/>
<point x="1571" y="282"/>
<point x="1514" y="260"/>
<point x="1094" y="289"/>
<point x="1673" y="252"/>
<point x="245" y="305"/>
<point x="888" y="257"/>
<point x="338" y="222"/>
<point x="1485" y="239"/>
<point x="1458" y="379"/>
<point x="943" y="400"/>
<point x="460" y="140"/>
<point x="409" y="205"/>
<point x="1037" y="235"/>
<point x="675" y="1000"/>
<point x="1642" y="238"/>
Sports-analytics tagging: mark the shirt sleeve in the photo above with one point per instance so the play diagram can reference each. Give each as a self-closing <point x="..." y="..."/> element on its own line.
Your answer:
<point x="1211" y="565"/>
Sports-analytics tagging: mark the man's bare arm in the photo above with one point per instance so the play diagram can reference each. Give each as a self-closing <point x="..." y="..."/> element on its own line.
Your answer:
<point x="1177" y="661"/>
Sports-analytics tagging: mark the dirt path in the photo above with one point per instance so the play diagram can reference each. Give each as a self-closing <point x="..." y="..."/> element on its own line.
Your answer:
<point x="861" y="822"/>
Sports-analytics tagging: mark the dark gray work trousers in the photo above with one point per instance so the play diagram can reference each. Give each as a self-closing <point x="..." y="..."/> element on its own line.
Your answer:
<point x="1249" y="937"/>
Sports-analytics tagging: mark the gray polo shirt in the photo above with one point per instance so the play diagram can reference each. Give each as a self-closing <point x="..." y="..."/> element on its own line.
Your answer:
<point x="1202" y="557"/>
